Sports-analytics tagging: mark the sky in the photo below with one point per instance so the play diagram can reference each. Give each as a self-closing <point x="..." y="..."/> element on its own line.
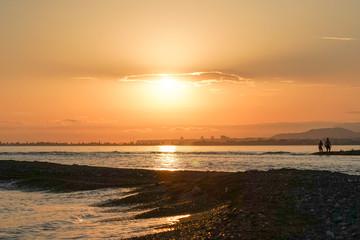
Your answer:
<point x="116" y="70"/>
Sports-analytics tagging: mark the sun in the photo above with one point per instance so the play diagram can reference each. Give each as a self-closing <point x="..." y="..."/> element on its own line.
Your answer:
<point x="166" y="91"/>
<point x="168" y="84"/>
<point x="168" y="87"/>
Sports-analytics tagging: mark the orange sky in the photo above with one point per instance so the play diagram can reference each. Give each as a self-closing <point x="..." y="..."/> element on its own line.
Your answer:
<point x="116" y="70"/>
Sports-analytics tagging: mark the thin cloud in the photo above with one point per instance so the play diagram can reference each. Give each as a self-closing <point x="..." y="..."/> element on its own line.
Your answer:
<point x="68" y="121"/>
<point x="195" y="78"/>
<point x="83" y="121"/>
<point x="6" y="122"/>
<point x="352" y="87"/>
<point x="138" y="130"/>
<point x="339" y="38"/>
<point x="71" y="120"/>
<point x="86" y="78"/>
<point x="21" y="113"/>
<point x="287" y="81"/>
<point x="190" y="129"/>
<point x="319" y="85"/>
<point x="273" y="89"/>
<point x="354" y="112"/>
<point x="283" y="80"/>
<point x="217" y="91"/>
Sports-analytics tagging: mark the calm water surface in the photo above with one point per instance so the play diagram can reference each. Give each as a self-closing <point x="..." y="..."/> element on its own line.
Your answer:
<point x="202" y="158"/>
<point x="33" y="214"/>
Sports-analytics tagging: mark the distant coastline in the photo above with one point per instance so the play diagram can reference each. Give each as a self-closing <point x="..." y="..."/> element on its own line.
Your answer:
<point x="61" y="144"/>
<point x="194" y="142"/>
<point x="338" y="136"/>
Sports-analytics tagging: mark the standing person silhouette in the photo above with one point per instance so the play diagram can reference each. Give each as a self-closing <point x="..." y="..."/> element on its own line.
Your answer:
<point x="321" y="146"/>
<point x="327" y="145"/>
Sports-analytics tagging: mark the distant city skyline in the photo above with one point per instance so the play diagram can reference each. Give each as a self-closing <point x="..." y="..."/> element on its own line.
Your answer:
<point x="188" y="132"/>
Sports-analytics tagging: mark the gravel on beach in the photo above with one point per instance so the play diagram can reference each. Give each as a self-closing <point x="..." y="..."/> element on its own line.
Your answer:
<point x="274" y="204"/>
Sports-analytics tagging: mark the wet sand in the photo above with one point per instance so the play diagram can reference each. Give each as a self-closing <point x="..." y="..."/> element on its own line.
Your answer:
<point x="275" y="204"/>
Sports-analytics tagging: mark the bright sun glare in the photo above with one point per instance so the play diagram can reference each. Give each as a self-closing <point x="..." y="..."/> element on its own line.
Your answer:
<point x="168" y="84"/>
<point x="167" y="149"/>
<point x="166" y="91"/>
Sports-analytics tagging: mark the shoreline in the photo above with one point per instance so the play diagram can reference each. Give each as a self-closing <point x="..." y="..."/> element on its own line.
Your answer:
<point x="206" y="144"/>
<point x="281" y="204"/>
<point x="341" y="152"/>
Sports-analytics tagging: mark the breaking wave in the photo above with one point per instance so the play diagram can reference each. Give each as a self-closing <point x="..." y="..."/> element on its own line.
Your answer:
<point x="117" y="153"/>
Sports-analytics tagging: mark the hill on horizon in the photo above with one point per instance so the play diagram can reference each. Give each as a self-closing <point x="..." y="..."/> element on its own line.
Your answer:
<point x="320" y="133"/>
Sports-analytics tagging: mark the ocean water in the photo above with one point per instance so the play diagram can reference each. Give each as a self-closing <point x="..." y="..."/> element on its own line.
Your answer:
<point x="201" y="158"/>
<point x="34" y="214"/>
<point x="31" y="214"/>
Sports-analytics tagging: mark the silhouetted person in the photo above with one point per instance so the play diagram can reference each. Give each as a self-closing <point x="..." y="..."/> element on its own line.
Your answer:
<point x="327" y="145"/>
<point x="321" y="146"/>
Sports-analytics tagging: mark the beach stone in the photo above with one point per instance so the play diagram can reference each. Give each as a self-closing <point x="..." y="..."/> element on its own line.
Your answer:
<point x="353" y="214"/>
<point x="330" y="234"/>
<point x="336" y="214"/>
<point x="196" y="191"/>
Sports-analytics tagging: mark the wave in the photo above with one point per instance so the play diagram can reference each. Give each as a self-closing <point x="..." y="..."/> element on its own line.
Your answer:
<point x="278" y="153"/>
<point x="117" y="153"/>
<point x="42" y="153"/>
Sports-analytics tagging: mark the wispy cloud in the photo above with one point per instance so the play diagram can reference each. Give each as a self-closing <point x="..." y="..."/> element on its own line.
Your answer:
<point x="194" y="78"/>
<point x="189" y="129"/>
<point x="273" y="89"/>
<point x="217" y="91"/>
<point x="72" y="121"/>
<point x="6" y="121"/>
<point x="354" y="112"/>
<point x="287" y="81"/>
<point x="138" y="130"/>
<point x="319" y="85"/>
<point x="82" y="120"/>
<point x="21" y="113"/>
<point x="352" y="87"/>
<point x="343" y="86"/>
<point x="339" y="38"/>
<point x="86" y="78"/>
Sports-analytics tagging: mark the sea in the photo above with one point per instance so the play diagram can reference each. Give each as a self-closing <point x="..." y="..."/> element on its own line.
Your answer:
<point x="27" y="213"/>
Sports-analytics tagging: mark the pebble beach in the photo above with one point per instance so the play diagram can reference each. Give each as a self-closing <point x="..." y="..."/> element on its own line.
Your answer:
<point x="273" y="204"/>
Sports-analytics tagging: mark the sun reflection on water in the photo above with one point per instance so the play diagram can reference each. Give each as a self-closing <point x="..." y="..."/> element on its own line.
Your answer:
<point x="168" y="158"/>
<point x="167" y="149"/>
